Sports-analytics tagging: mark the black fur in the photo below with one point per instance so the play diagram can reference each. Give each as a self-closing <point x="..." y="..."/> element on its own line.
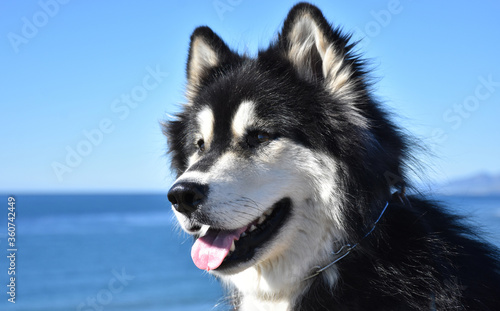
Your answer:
<point x="420" y="257"/>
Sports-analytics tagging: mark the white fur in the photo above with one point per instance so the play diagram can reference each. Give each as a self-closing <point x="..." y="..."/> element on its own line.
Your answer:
<point x="206" y="124"/>
<point x="205" y="119"/>
<point x="306" y="36"/>
<point x="243" y="118"/>
<point x="203" y="57"/>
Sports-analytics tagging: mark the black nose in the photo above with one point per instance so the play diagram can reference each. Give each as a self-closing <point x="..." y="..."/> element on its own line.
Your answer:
<point x="187" y="197"/>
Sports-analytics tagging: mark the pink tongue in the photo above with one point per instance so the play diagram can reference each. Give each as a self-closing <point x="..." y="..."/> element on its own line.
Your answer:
<point x="209" y="251"/>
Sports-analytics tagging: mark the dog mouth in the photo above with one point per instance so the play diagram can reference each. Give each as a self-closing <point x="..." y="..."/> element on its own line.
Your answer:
<point x="224" y="250"/>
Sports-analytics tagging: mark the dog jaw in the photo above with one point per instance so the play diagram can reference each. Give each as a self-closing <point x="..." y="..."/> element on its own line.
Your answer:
<point x="278" y="279"/>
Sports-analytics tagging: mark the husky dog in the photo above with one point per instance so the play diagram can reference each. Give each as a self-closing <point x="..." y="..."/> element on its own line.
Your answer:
<point x="286" y="165"/>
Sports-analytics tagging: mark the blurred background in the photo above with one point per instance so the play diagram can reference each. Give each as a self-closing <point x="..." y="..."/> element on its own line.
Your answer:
<point x="84" y="85"/>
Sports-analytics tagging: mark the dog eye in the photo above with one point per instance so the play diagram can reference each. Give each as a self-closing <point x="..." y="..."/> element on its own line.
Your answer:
<point x="256" y="138"/>
<point x="201" y="145"/>
<point x="262" y="137"/>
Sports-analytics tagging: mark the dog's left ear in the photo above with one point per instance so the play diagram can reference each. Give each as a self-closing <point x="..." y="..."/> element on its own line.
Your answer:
<point x="207" y="51"/>
<point x="317" y="51"/>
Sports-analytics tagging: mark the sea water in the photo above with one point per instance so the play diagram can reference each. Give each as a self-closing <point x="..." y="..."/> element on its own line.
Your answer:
<point x="125" y="252"/>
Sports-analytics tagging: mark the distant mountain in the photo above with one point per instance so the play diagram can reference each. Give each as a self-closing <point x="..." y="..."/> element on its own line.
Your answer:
<point x="480" y="184"/>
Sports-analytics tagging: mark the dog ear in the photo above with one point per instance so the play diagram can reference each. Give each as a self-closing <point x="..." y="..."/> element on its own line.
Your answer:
<point x="317" y="51"/>
<point x="206" y="52"/>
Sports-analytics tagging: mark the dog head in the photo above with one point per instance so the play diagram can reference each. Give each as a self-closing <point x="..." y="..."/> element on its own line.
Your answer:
<point x="274" y="153"/>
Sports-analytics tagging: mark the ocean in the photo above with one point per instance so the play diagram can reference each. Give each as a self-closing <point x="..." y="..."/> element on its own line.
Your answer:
<point x="124" y="252"/>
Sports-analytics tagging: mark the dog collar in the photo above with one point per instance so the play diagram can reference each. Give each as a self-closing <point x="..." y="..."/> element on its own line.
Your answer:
<point x="346" y="249"/>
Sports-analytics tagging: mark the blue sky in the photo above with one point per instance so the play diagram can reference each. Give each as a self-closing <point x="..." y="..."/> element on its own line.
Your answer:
<point x="84" y="84"/>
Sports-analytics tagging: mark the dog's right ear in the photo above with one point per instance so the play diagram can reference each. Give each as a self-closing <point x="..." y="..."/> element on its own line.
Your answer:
<point x="318" y="51"/>
<point x="207" y="51"/>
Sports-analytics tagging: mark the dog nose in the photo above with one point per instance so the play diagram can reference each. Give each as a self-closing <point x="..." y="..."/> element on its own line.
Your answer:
<point x="187" y="197"/>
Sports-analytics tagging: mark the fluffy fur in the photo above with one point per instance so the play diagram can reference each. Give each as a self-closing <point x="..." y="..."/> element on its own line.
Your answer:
<point x="298" y="125"/>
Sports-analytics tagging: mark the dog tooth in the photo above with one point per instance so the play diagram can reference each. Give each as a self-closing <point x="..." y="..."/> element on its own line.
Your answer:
<point x="243" y="234"/>
<point x="268" y="212"/>
<point x="252" y="228"/>
<point x="233" y="247"/>
<point x="261" y="219"/>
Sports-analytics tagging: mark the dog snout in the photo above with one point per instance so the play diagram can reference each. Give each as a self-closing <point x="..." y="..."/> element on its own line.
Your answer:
<point x="187" y="197"/>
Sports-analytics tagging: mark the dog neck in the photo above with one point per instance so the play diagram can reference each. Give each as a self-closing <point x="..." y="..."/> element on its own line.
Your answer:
<point x="276" y="285"/>
<point x="251" y="304"/>
<point x="260" y="288"/>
